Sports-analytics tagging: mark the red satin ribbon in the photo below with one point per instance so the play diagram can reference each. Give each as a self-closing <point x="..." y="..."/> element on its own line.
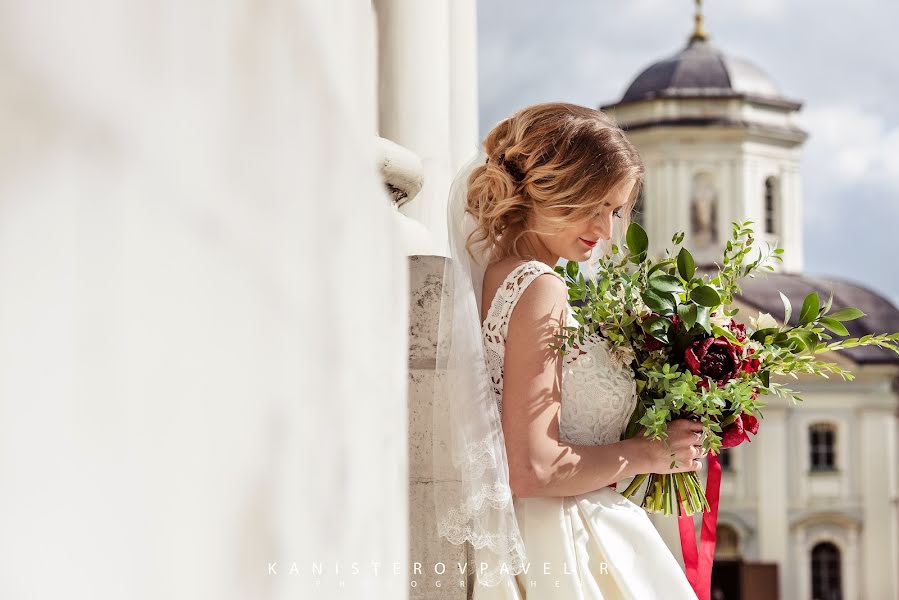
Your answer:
<point x="698" y="560"/>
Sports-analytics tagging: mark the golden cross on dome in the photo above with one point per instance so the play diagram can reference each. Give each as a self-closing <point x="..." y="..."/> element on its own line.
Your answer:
<point x="699" y="32"/>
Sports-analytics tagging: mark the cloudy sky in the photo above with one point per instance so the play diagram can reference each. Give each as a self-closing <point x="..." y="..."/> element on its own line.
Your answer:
<point x="840" y="59"/>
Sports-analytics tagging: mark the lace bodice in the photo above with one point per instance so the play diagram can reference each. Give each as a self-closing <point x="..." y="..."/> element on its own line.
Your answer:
<point x="598" y="391"/>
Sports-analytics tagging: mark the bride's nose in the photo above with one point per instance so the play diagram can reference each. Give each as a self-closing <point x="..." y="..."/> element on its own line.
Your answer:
<point x="603" y="228"/>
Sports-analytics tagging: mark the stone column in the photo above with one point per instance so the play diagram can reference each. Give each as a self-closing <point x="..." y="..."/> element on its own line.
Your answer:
<point x="414" y="98"/>
<point x="877" y="468"/>
<point x="426" y="283"/>
<point x="463" y="82"/>
<point x="772" y="491"/>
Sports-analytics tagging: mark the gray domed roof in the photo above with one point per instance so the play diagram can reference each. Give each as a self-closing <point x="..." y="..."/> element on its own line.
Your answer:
<point x="881" y="316"/>
<point x="700" y="69"/>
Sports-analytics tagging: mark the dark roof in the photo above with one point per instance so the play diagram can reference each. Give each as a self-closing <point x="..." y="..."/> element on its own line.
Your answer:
<point x="881" y="315"/>
<point x="702" y="70"/>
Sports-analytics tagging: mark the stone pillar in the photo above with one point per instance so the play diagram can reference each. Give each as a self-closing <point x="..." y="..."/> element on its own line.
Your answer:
<point x="877" y="468"/>
<point x="773" y="490"/>
<point x="414" y="99"/>
<point x="463" y="81"/>
<point x="426" y="286"/>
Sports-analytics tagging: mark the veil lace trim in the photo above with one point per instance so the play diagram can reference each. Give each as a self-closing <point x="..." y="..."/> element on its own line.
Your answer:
<point x="473" y="499"/>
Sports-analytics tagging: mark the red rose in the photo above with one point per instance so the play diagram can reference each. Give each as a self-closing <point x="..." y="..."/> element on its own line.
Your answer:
<point x="713" y="357"/>
<point x="739" y="330"/>
<point x="750" y="365"/>
<point x="736" y="433"/>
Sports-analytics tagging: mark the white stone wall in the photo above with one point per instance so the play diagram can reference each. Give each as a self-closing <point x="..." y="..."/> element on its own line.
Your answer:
<point x="203" y="310"/>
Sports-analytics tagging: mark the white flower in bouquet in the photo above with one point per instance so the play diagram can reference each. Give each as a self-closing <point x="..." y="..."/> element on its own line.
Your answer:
<point x="623" y="355"/>
<point x="763" y="321"/>
<point x="720" y="319"/>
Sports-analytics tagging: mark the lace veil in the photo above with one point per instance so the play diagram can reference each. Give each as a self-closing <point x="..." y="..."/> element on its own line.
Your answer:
<point x="473" y="499"/>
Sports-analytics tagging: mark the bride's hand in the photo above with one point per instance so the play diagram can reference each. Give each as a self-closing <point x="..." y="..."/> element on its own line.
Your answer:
<point x="683" y="447"/>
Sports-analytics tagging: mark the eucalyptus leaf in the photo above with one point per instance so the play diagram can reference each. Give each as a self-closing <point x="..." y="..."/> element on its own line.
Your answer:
<point x="688" y="313"/>
<point x="637" y="240"/>
<point x="705" y="295"/>
<point x="834" y="325"/>
<point x="847" y="314"/>
<point x="810" y="307"/>
<point x="661" y="303"/>
<point x="572" y="269"/>
<point x="788" y="308"/>
<point x="702" y="318"/>
<point x="761" y="334"/>
<point x="686" y="266"/>
<point x="659" y="265"/>
<point x="809" y="339"/>
<point x="665" y="283"/>
<point x="827" y="304"/>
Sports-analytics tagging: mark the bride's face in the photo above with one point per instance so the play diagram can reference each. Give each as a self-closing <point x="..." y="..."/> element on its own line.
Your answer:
<point x="576" y="242"/>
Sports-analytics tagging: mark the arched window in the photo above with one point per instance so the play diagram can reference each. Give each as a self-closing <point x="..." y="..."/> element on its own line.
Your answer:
<point x="822" y="447"/>
<point x="827" y="577"/>
<point x="772" y="199"/>
<point x="727" y="545"/>
<point x="703" y="210"/>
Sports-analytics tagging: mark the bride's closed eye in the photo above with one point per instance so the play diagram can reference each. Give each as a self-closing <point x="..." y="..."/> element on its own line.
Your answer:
<point x="617" y="212"/>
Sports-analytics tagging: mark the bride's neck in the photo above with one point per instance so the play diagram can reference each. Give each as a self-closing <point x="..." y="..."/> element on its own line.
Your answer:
<point x="529" y="248"/>
<point x="536" y="250"/>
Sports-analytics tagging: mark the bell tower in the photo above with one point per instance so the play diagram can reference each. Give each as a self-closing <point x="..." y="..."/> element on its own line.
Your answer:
<point x="720" y="144"/>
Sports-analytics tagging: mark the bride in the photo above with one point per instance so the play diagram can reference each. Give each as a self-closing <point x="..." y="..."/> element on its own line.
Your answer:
<point x="532" y="448"/>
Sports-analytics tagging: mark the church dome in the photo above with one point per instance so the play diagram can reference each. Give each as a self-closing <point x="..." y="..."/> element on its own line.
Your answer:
<point x="701" y="69"/>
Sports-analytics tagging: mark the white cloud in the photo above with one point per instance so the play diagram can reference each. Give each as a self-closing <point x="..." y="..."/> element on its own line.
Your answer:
<point x="760" y="9"/>
<point x="859" y="145"/>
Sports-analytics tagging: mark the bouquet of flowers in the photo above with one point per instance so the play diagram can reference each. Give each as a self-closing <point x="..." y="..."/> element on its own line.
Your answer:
<point x="692" y="358"/>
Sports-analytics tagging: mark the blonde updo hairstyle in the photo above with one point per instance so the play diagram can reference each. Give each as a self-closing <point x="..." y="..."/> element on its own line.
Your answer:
<point x="555" y="160"/>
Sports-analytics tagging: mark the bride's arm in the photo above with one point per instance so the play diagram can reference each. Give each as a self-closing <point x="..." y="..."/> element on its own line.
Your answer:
<point x="539" y="463"/>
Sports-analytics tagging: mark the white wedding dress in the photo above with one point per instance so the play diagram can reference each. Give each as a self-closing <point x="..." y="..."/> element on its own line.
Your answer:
<point x="598" y="544"/>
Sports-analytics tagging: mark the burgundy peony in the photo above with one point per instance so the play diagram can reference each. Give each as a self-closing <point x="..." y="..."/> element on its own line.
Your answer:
<point x="713" y="357"/>
<point x="650" y="343"/>
<point x="737" y="432"/>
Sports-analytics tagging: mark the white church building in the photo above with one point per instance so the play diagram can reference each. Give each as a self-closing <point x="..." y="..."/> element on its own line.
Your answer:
<point x="809" y="507"/>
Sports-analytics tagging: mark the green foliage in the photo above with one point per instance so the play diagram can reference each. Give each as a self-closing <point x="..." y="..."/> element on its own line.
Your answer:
<point x="637" y="242"/>
<point x="632" y="302"/>
<point x="810" y="309"/>
<point x="706" y="295"/>
<point x="847" y="314"/>
<point x="686" y="266"/>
